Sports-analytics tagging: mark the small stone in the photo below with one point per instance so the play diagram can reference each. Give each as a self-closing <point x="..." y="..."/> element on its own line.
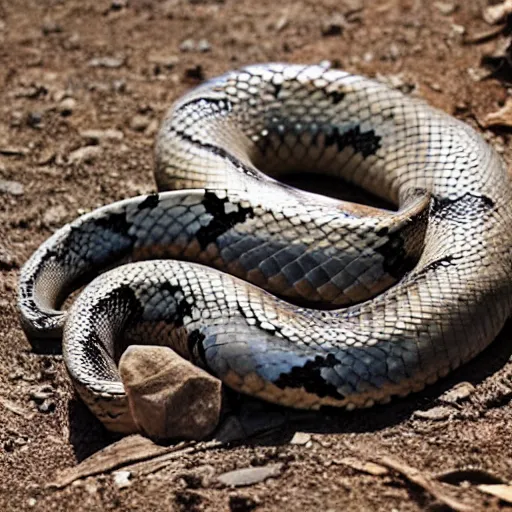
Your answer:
<point x="14" y="188"/>
<point x="445" y="8"/>
<point x="460" y="392"/>
<point x="117" y="5"/>
<point x="55" y="215"/>
<point x="139" y="122"/>
<point x="51" y="27"/>
<point x="119" y="85"/>
<point x="282" y="23"/>
<point x="106" y="62"/>
<point x="249" y="476"/>
<point x="189" y="45"/>
<point x="458" y="30"/>
<point x="334" y="25"/>
<point x="99" y="136"/>
<point x="46" y="407"/>
<point x="300" y="438"/>
<point x="204" y="46"/>
<point x="497" y="13"/>
<point x="66" y="106"/>
<point x="168" y="396"/>
<point x="438" y="413"/>
<point x="122" y="479"/>
<point x="152" y="128"/>
<point x="72" y="43"/>
<point x="85" y="155"/>
<point x="34" y="119"/>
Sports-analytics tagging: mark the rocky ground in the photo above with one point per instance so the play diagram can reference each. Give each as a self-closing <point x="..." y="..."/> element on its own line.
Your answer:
<point x="83" y="86"/>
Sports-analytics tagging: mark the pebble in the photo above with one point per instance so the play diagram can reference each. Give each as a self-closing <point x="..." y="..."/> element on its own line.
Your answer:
<point x="122" y="479"/>
<point x="497" y="13"/>
<point x="334" y="25"/>
<point x="50" y="27"/>
<point x="300" y="438"/>
<point x="117" y="5"/>
<point x="106" y="62"/>
<point x="85" y="155"/>
<point x="249" y="476"/>
<point x="14" y="188"/>
<point x="72" y="43"/>
<point x="66" y="106"/>
<point x="152" y="128"/>
<point x="168" y="396"/>
<point x="460" y="392"/>
<point x="445" y="8"/>
<point x="282" y="23"/>
<point x="42" y="396"/>
<point x="188" y="45"/>
<point x="438" y="413"/>
<point x="46" y="407"/>
<point x="99" y="136"/>
<point x="139" y="122"/>
<point x="34" y="119"/>
<point x="204" y="46"/>
<point x="55" y="215"/>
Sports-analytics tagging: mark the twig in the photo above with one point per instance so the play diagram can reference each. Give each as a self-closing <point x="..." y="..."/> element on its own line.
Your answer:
<point x="416" y="477"/>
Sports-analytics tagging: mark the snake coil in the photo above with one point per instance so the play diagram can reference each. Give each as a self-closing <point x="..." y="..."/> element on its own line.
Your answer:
<point x="379" y="302"/>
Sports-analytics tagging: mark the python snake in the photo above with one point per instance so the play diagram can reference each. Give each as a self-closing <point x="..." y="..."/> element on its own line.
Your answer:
<point x="380" y="302"/>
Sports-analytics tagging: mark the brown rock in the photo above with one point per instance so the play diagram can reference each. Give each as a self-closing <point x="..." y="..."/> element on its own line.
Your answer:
<point x="168" y="396"/>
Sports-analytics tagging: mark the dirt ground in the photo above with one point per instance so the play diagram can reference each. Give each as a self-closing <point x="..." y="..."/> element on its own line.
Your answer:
<point x="67" y="67"/>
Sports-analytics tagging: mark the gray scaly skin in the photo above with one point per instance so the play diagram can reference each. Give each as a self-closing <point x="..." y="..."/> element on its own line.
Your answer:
<point x="423" y="289"/>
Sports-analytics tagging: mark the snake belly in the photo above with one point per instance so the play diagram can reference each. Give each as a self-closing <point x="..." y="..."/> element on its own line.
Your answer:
<point x="379" y="303"/>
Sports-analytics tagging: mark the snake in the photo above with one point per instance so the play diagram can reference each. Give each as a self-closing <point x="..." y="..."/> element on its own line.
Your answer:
<point x="297" y="298"/>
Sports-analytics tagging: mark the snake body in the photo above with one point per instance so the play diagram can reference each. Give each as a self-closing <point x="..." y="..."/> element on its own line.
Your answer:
<point x="380" y="302"/>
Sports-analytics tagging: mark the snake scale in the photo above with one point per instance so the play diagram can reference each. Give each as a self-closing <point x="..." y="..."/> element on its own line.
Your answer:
<point x="296" y="298"/>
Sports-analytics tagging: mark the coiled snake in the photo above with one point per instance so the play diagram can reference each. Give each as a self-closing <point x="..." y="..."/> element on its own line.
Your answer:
<point x="380" y="302"/>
